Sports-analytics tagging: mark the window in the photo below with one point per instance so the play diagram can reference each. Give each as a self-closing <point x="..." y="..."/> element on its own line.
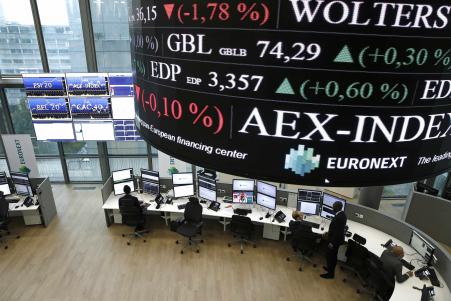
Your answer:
<point x="400" y="191"/>
<point x="84" y="169"/>
<point x="127" y="148"/>
<point x="22" y="124"/>
<point x="111" y="35"/>
<point x="81" y="148"/>
<point x="63" y="30"/>
<point x="135" y="163"/>
<point x="15" y="14"/>
<point x="4" y="166"/>
<point x="50" y="168"/>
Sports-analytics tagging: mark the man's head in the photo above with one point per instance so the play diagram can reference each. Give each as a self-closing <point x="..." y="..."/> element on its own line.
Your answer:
<point x="193" y="199"/>
<point x="127" y="189"/>
<point x="337" y="206"/>
<point x="297" y="215"/>
<point x="398" y="251"/>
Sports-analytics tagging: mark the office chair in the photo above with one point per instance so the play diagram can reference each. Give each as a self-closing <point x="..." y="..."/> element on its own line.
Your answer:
<point x="133" y="216"/>
<point x="304" y="242"/>
<point x="377" y="279"/>
<point x="4" y="222"/>
<point x="356" y="262"/>
<point x="191" y="226"/>
<point x="243" y="228"/>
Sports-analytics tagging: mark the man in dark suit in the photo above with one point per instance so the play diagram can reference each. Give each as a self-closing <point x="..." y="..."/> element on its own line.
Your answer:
<point x="392" y="265"/>
<point x="336" y="238"/>
<point x="129" y="200"/>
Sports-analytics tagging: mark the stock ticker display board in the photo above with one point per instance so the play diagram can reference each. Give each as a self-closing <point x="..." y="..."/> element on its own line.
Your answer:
<point x="317" y="92"/>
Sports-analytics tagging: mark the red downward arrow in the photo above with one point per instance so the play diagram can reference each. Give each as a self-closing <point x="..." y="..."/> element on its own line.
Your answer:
<point x="169" y="8"/>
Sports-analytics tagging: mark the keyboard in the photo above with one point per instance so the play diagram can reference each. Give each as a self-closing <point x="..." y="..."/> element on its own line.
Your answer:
<point x="13" y="200"/>
<point x="241" y="211"/>
<point x="311" y="224"/>
<point x="433" y="277"/>
<point x="181" y="206"/>
<point x="407" y="265"/>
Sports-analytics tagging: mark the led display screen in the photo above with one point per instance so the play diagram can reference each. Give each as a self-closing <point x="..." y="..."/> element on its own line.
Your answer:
<point x="320" y="93"/>
<point x="48" y="108"/>
<point x="44" y="85"/>
<point x="90" y="107"/>
<point x="54" y="131"/>
<point x="87" y="84"/>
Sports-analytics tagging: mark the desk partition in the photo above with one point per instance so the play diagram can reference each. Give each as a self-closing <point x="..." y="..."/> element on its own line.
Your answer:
<point x="46" y="201"/>
<point x="430" y="214"/>
<point x="106" y="190"/>
<point x="400" y="230"/>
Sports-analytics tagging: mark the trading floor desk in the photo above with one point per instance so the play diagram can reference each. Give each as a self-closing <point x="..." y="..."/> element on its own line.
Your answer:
<point x="271" y="230"/>
<point x="31" y="215"/>
<point x="375" y="238"/>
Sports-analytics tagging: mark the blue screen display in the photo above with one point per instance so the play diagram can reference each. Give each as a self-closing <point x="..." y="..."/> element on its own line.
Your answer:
<point x="41" y="86"/>
<point x="48" y="107"/>
<point x="121" y="80"/>
<point x="85" y="85"/>
<point x="125" y="130"/>
<point x="122" y="91"/>
<point x="90" y="107"/>
<point x="43" y="83"/>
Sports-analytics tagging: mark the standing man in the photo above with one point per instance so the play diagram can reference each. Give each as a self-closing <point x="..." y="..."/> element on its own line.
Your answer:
<point x="336" y="238"/>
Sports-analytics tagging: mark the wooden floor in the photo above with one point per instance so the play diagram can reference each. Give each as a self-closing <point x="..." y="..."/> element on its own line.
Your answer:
<point x="78" y="258"/>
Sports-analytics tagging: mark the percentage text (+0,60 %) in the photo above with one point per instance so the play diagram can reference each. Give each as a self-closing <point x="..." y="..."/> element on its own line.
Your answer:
<point x="367" y="92"/>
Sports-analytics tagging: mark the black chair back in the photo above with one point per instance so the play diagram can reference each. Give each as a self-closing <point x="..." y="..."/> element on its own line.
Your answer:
<point x="241" y="225"/>
<point x="4" y="209"/>
<point x="359" y="239"/>
<point x="193" y="211"/>
<point x="131" y="215"/>
<point x="303" y="238"/>
<point x="357" y="256"/>
<point x="378" y="279"/>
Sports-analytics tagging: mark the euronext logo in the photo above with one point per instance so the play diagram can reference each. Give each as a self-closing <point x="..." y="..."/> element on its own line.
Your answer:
<point x="301" y="161"/>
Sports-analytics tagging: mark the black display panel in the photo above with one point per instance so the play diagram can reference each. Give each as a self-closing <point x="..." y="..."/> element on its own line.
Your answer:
<point x="329" y="93"/>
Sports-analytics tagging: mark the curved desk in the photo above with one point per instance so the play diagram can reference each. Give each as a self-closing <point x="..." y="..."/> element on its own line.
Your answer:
<point x="375" y="237"/>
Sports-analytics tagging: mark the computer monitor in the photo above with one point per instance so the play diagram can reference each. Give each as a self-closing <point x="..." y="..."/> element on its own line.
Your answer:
<point x="207" y="194"/>
<point x="312" y="196"/>
<point x="183" y="190"/>
<point x="119" y="187"/>
<point x="22" y="183"/>
<point x="23" y="190"/>
<point x="4" y="186"/>
<point x="242" y="185"/>
<point x="122" y="175"/>
<point x="424" y="248"/>
<point x="310" y="208"/>
<point x="421" y="187"/>
<point x="150" y="181"/>
<point x="267" y="189"/>
<point x="182" y="178"/>
<point x="243" y="197"/>
<point x="206" y="182"/>
<point x="266" y="201"/>
<point x="151" y="187"/>
<point x="150" y="176"/>
<point x="327" y="205"/>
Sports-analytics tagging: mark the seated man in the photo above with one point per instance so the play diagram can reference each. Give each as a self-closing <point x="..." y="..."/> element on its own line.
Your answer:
<point x="299" y="228"/>
<point x="392" y="265"/>
<point x="130" y="200"/>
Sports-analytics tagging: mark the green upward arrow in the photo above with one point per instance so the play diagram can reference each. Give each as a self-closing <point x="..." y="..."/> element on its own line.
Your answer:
<point x="285" y="88"/>
<point x="344" y="56"/>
